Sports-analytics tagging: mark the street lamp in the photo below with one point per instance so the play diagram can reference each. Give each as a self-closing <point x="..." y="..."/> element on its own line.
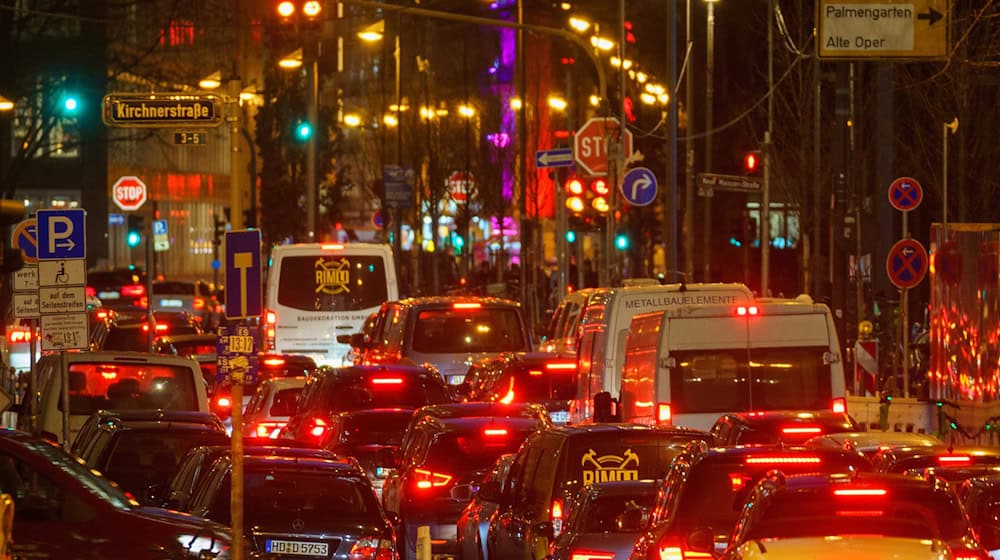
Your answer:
<point x="557" y="103"/>
<point x="709" y="101"/>
<point x="373" y="32"/>
<point x="6" y="104"/>
<point x="352" y="120"/>
<point x="292" y="60"/>
<point x="211" y="81"/>
<point x="579" y="24"/>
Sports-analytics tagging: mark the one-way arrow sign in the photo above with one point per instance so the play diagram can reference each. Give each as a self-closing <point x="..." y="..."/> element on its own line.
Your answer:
<point x="559" y="157"/>
<point x="932" y="15"/>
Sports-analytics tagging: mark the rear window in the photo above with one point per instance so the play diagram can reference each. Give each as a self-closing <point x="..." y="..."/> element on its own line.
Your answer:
<point x="194" y="348"/>
<point x="383" y="429"/>
<point x="332" y="282"/>
<point x="123" y="386"/>
<point x="173" y="288"/>
<point x="534" y="384"/>
<point x="471" y="450"/>
<point x="487" y="329"/>
<point x="114" y="279"/>
<point x="145" y="458"/>
<point x="388" y="391"/>
<point x="285" y="402"/>
<point x="277" y="368"/>
<point x="604" y="513"/>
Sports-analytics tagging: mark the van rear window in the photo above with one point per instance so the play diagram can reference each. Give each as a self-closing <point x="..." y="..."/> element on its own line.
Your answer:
<point x="124" y="386"/>
<point x="332" y="282"/>
<point x="616" y="456"/>
<point x="487" y="329"/>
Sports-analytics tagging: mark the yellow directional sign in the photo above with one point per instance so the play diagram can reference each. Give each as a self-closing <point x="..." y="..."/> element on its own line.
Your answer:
<point x="883" y="28"/>
<point x="152" y="110"/>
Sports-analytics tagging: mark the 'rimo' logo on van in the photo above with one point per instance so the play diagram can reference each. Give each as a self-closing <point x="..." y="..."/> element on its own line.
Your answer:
<point x="333" y="277"/>
<point x="609" y="468"/>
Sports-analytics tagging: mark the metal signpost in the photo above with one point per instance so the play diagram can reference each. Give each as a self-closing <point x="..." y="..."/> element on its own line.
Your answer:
<point x="25" y="297"/>
<point x="907" y="261"/>
<point x="860" y="29"/>
<point x="547" y="159"/>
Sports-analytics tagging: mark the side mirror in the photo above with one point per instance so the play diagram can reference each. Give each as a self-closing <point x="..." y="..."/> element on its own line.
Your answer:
<point x="358" y="340"/>
<point x="603" y="410"/>
<point x="344" y="338"/>
<point x="701" y="539"/>
<point x="462" y="492"/>
<point x="490" y="492"/>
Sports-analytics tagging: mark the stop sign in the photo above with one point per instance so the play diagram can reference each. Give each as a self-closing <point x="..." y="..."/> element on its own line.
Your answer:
<point x="129" y="193"/>
<point x="593" y="141"/>
<point x="460" y="185"/>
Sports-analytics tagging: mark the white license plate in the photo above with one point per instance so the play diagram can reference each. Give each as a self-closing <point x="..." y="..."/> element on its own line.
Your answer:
<point x="297" y="547"/>
<point x="559" y="416"/>
<point x="171" y="303"/>
<point x="108" y="295"/>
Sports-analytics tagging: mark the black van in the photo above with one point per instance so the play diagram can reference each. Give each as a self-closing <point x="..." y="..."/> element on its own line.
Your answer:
<point x="554" y="464"/>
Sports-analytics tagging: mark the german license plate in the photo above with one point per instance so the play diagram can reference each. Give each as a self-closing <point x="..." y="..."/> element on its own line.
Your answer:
<point x="559" y="416"/>
<point x="108" y="295"/>
<point x="298" y="548"/>
<point x="171" y="303"/>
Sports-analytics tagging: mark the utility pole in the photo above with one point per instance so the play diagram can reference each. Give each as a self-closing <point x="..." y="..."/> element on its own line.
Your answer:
<point x="689" y="151"/>
<point x="670" y="237"/>
<point x="765" y="206"/>
<point x="709" y="101"/>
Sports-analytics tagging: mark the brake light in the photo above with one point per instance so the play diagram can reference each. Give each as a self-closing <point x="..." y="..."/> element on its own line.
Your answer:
<point x="556" y="516"/>
<point x="133" y="290"/>
<point x="331" y="246"/>
<point x="466" y="305"/>
<point x="372" y="548"/>
<point x="18" y="335"/>
<point x="161" y="328"/>
<point x="103" y="314"/>
<point x="747" y="310"/>
<point x="839" y="405"/>
<point x="561" y="366"/>
<point x="663" y="413"/>
<point x="954" y="459"/>
<point x="783" y="460"/>
<point x="534" y="372"/>
<point x="318" y="427"/>
<point x="274" y="362"/>
<point x="670" y="549"/>
<point x="265" y="429"/>
<point x="591" y="555"/>
<point x="430" y="479"/>
<point x="966" y="554"/>
<point x="271" y="317"/>
<point x="89" y="291"/>
<point x="801" y="430"/>
<point x="224" y="402"/>
<point x="199" y="303"/>
<point x="387" y="380"/>
<point x="738" y="481"/>
<point x="860" y="492"/>
<point x="108" y="371"/>
<point x="495" y="432"/>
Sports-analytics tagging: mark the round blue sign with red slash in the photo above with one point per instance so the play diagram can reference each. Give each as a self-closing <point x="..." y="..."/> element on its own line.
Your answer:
<point x="25" y="238"/>
<point x="907" y="263"/>
<point x="905" y="194"/>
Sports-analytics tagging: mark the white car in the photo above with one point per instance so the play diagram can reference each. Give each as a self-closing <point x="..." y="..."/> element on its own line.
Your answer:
<point x="271" y="406"/>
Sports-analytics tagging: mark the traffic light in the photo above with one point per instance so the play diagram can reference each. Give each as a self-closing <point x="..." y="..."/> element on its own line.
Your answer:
<point x="133" y="236"/>
<point x="621" y="241"/>
<point x="737" y="231"/>
<point x="70" y="105"/>
<point x="574" y="195"/>
<point x="570" y="236"/>
<point x="752" y="162"/>
<point x="308" y="10"/>
<point x="220" y="230"/>
<point x="303" y="131"/>
<point x="601" y="192"/>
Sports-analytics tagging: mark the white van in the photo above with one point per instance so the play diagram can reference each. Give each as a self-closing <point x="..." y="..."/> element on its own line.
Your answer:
<point x="113" y="381"/>
<point x="317" y="292"/>
<point x="605" y="326"/>
<point x="688" y="365"/>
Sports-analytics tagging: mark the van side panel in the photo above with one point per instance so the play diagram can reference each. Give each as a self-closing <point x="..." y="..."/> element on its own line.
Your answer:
<point x="638" y="398"/>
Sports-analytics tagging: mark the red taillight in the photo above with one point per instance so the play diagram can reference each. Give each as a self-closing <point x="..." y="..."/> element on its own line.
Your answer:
<point x="738" y="481"/>
<point x="372" y="548"/>
<point x="671" y="549"/>
<point x="747" y="310"/>
<point x="18" y="335"/>
<point x="430" y="479"/>
<point x="331" y="247"/>
<point x="162" y="328"/>
<point x="495" y="432"/>
<point x="265" y="429"/>
<point x="954" y="459"/>
<point x="860" y="492"/>
<point x="108" y="372"/>
<point x="103" y="314"/>
<point x="664" y="414"/>
<point x="591" y="555"/>
<point x="783" y="460"/>
<point x="466" y="305"/>
<point x="271" y="317"/>
<point x="318" y="427"/>
<point x="966" y="554"/>
<point x="561" y="366"/>
<point x="802" y="430"/>
<point x="224" y="402"/>
<point x="839" y="405"/>
<point x="133" y="290"/>
<point x="534" y="372"/>
<point x="199" y="303"/>
<point x="387" y="381"/>
<point x="89" y="291"/>
<point x="274" y="362"/>
<point x="556" y="516"/>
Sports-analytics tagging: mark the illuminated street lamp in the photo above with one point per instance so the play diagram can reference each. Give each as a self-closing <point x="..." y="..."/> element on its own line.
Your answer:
<point x="647" y="98"/>
<point x="595" y="100"/>
<point x="579" y="24"/>
<point x="515" y="103"/>
<point x="373" y="32"/>
<point x="557" y="103"/>
<point x="390" y="120"/>
<point x="352" y="120"/>
<point x="211" y="81"/>
<point x="292" y="60"/>
<point x="6" y="104"/>
<point x="466" y="111"/>
<point x="602" y="43"/>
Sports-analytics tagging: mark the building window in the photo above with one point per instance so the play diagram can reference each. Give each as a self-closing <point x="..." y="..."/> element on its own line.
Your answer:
<point x="179" y="32"/>
<point x="43" y="126"/>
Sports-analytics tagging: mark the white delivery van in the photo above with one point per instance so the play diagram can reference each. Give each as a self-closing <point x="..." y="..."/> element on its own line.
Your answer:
<point x="319" y="291"/>
<point x="688" y="365"/>
<point x="605" y="325"/>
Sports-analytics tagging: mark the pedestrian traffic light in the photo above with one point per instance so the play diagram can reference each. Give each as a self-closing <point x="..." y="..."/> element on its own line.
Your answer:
<point x="752" y="162"/>
<point x="303" y="131"/>
<point x="135" y="225"/>
<point x="220" y="230"/>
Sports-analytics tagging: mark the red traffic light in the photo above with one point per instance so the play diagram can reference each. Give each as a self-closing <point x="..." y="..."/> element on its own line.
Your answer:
<point x="751" y="162"/>
<point x="574" y="186"/>
<point x="286" y="9"/>
<point x="600" y="187"/>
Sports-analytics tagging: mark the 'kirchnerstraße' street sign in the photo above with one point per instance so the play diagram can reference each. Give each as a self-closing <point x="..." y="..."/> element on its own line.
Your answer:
<point x="161" y="110"/>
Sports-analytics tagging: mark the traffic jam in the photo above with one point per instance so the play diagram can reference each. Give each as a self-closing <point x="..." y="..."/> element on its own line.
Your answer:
<point x="651" y="422"/>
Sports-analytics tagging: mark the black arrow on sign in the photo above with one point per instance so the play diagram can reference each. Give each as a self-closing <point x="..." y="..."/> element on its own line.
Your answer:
<point x="932" y="15"/>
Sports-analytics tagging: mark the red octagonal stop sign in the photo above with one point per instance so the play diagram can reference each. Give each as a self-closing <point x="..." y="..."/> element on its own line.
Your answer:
<point x="592" y="143"/>
<point x="129" y="193"/>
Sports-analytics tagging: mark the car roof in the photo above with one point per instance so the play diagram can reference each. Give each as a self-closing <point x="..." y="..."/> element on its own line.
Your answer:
<point x="799" y="482"/>
<point x="625" y="429"/>
<point x="398" y="411"/>
<point x="772" y="419"/>
<point x="443" y="301"/>
<point x="497" y="410"/>
<point x="868" y="440"/>
<point x="111" y="356"/>
<point x="623" y="487"/>
<point x="477" y="423"/>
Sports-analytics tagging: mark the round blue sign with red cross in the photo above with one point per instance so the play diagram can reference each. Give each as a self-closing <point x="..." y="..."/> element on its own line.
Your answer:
<point x="905" y="194"/>
<point x="25" y="238"/>
<point x="907" y="263"/>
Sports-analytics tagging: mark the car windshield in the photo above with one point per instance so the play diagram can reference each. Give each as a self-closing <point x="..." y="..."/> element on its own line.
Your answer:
<point x="95" y="386"/>
<point x="375" y="428"/>
<point x="611" y="513"/>
<point x="144" y="459"/>
<point x="275" y="495"/>
<point x="917" y="513"/>
<point x="332" y="282"/>
<point x="473" y="451"/>
<point x="463" y="331"/>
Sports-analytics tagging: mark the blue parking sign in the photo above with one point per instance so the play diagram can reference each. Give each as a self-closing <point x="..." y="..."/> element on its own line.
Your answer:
<point x="62" y="234"/>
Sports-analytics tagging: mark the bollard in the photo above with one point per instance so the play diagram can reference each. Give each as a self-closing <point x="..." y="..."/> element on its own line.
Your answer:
<point x="424" y="542"/>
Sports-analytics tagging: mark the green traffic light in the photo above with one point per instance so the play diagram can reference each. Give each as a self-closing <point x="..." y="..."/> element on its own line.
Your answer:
<point x="70" y="104"/>
<point x="133" y="238"/>
<point x="571" y="236"/>
<point x="304" y="131"/>
<point x="621" y="241"/>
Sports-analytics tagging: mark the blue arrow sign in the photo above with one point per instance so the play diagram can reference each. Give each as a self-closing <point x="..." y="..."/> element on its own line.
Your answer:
<point x="559" y="157"/>
<point x="243" y="274"/>
<point x="62" y="234"/>
<point x="639" y="186"/>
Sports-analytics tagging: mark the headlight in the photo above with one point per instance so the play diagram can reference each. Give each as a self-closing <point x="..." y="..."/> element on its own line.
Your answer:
<point x="206" y="546"/>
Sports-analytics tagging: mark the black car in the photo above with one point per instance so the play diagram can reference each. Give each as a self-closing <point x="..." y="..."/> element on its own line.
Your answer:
<point x="122" y="289"/>
<point x="64" y="509"/>
<point x="705" y="489"/>
<point x="789" y="427"/>
<point x="554" y="464"/>
<point x="299" y="506"/>
<point x="133" y="333"/>
<point x="471" y="410"/>
<point x="372" y="437"/>
<point x="361" y="388"/>
<point x="981" y="497"/>
<point x="198" y="461"/>
<point x="140" y="450"/>
<point x="606" y="519"/>
<point x="543" y="378"/>
<point x="446" y="453"/>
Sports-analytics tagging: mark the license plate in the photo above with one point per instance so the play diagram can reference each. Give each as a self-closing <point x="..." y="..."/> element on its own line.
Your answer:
<point x="298" y="548"/>
<point x="171" y="303"/>
<point x="108" y="295"/>
<point x="559" y="416"/>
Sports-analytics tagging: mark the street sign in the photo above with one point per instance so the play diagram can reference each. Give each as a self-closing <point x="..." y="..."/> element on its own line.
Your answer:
<point x="115" y="219"/>
<point x="25" y="238"/>
<point x="62" y="273"/>
<point x="187" y="138"/>
<point x="129" y="193"/>
<point x="905" y="194"/>
<point x="161" y="242"/>
<point x="69" y="299"/>
<point x="461" y="184"/>
<point x="168" y="110"/>
<point x="595" y="143"/>
<point x="883" y="28"/>
<point x="26" y="279"/>
<point x="62" y="234"/>
<point x="639" y="186"/>
<point x="26" y="305"/>
<point x="236" y="347"/>
<point x="398" y="184"/>
<point x="710" y="182"/>
<point x="64" y="331"/>
<point x="559" y="157"/>
<point x="243" y="274"/>
<point x="907" y="263"/>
